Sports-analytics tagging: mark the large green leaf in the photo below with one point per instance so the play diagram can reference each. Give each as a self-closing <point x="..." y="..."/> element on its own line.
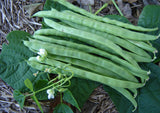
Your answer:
<point x="149" y="96"/>
<point x="13" y="67"/>
<point x="42" y="95"/>
<point x="82" y="89"/>
<point x="62" y="108"/>
<point x="68" y="97"/>
<point x="51" y="4"/>
<point x="150" y="17"/>
<point x="19" y="97"/>
<point x="119" y="18"/>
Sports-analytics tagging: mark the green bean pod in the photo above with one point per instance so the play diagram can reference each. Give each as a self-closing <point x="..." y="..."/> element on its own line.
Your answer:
<point x="139" y="58"/>
<point x="42" y="67"/>
<point x="97" y="41"/>
<point x="119" y="41"/>
<point x="68" y="52"/>
<point x="86" y="65"/>
<point x="128" y="95"/>
<point x="144" y="46"/>
<point x="104" y="27"/>
<point x="107" y="20"/>
<point x="89" y="49"/>
<point x="85" y="74"/>
<point x="95" y="68"/>
<point x="134" y="91"/>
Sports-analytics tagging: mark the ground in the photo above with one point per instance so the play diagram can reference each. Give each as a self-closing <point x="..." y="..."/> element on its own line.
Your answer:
<point x="16" y="15"/>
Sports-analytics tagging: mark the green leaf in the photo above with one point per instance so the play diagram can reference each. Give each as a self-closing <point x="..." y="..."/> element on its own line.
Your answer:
<point x="19" y="97"/>
<point x="28" y="84"/>
<point x="14" y="69"/>
<point x="49" y="4"/>
<point x="150" y="18"/>
<point x="39" y="85"/>
<point x="82" y="89"/>
<point x="68" y="97"/>
<point x="118" y="18"/>
<point x="62" y="108"/>
<point x="149" y="96"/>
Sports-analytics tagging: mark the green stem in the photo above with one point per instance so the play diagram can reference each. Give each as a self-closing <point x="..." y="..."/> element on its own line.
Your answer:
<point x="90" y="9"/>
<point x="117" y="8"/>
<point x="61" y="97"/>
<point x="53" y="80"/>
<point x="99" y="10"/>
<point x="62" y="81"/>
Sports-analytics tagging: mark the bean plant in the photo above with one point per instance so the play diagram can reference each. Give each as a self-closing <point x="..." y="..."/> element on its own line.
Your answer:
<point x="78" y="44"/>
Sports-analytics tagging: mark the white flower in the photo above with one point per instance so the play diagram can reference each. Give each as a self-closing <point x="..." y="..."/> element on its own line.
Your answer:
<point x="51" y="93"/>
<point x="42" y="52"/>
<point x="35" y="74"/>
<point x="38" y="58"/>
<point x="48" y="70"/>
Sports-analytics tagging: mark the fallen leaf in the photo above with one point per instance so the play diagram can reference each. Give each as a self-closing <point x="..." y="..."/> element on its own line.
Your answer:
<point x="127" y="11"/>
<point x="32" y="8"/>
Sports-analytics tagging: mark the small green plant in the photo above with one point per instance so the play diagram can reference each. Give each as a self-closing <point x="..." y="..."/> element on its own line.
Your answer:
<point x="56" y="85"/>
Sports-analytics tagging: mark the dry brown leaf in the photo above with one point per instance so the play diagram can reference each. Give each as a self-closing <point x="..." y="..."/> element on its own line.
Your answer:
<point x="127" y="11"/>
<point x="32" y="8"/>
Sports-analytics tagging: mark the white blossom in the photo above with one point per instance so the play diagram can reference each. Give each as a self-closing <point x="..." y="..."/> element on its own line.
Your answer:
<point x="35" y="74"/>
<point x="42" y="52"/>
<point x="48" y="70"/>
<point x="51" y="93"/>
<point x="38" y="58"/>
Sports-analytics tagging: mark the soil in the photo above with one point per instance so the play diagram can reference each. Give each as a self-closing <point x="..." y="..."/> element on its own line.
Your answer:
<point x="16" y="15"/>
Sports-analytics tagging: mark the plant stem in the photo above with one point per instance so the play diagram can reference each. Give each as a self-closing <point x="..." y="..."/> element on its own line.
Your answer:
<point x="62" y="81"/>
<point x="99" y="10"/>
<point x="117" y="8"/>
<point x="90" y="8"/>
<point x="52" y="80"/>
<point x="61" y="97"/>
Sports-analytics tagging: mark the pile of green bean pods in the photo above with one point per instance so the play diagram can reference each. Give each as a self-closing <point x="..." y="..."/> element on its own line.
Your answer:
<point x="97" y="48"/>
